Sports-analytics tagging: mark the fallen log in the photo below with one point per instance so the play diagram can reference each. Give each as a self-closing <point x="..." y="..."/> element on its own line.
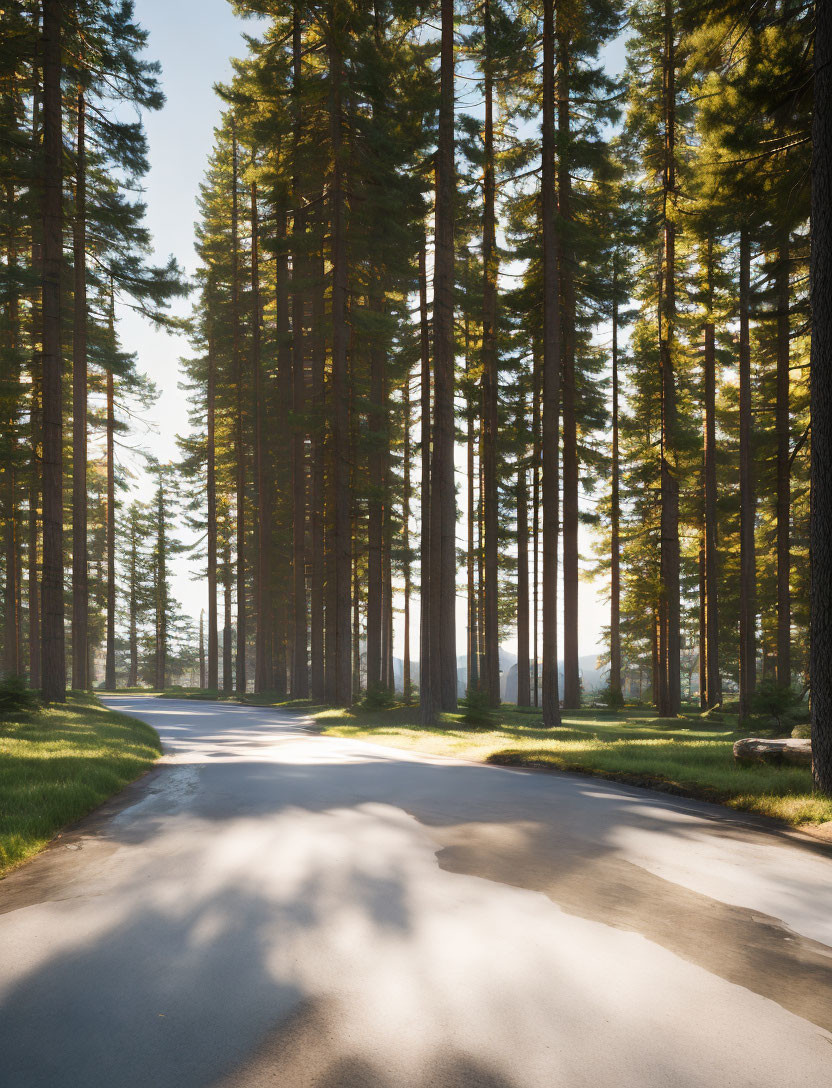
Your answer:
<point x="791" y="752"/>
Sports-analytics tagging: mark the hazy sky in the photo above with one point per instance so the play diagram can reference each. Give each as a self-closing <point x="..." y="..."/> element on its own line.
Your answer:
<point x="194" y="41"/>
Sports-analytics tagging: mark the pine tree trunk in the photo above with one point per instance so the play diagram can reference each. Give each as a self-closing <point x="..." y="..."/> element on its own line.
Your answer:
<point x="536" y="466"/>
<point x="263" y="632"/>
<point x="342" y="543"/>
<point x="427" y="713"/>
<point x="491" y="677"/>
<point x="110" y="651"/>
<point x="523" y="679"/>
<point x="132" y="606"/>
<point x="161" y="589"/>
<point x="80" y="584"/>
<point x="480" y="595"/>
<point x="11" y="609"/>
<point x="615" y="510"/>
<point x="375" y="519"/>
<point x="12" y="645"/>
<point x="282" y="640"/>
<point x="472" y="653"/>
<point x="35" y="427"/>
<point x="820" y="668"/>
<point x="670" y="699"/>
<point x="300" y="662"/>
<point x="53" y="664"/>
<point x="227" y="678"/>
<point x="330" y="584"/>
<point x="443" y="497"/>
<point x="356" y="617"/>
<point x="406" y="561"/>
<point x="783" y="429"/>
<point x="388" y="678"/>
<point x="202" y="649"/>
<point x="239" y="448"/>
<point x="571" y="667"/>
<point x="712" y="691"/>
<point x="211" y="486"/>
<point x="551" y="379"/>
<point x="748" y="556"/>
<point x="316" y="589"/>
<point x="32" y="579"/>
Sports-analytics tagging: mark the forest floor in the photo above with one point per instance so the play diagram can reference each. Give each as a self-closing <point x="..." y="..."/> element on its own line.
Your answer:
<point x="57" y="763"/>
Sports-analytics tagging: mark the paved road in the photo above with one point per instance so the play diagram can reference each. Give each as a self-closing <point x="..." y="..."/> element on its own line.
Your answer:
<point x="271" y="907"/>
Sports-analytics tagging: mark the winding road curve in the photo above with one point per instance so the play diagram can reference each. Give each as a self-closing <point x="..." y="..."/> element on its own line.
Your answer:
<point x="270" y="907"/>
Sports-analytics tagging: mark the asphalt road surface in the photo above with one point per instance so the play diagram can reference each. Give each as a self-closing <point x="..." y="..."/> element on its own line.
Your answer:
<point x="271" y="907"/>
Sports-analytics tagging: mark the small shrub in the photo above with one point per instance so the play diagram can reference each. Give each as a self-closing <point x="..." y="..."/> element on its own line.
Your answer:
<point x="378" y="697"/>
<point x="612" y="698"/>
<point x="476" y="709"/>
<point x="16" y="697"/>
<point x="779" y="702"/>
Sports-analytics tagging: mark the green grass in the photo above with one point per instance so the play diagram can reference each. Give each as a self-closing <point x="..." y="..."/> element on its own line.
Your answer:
<point x="261" y="698"/>
<point x="58" y="763"/>
<point x="690" y="755"/>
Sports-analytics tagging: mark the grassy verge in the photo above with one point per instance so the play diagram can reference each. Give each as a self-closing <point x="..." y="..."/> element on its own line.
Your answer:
<point x="262" y="698"/>
<point x="690" y="755"/>
<point x="58" y="763"/>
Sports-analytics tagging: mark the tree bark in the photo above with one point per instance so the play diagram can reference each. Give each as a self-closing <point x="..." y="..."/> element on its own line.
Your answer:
<point x="712" y="690"/>
<point x="202" y="649"/>
<point x="12" y="644"/>
<point x="300" y="663"/>
<point x="783" y="429"/>
<point x="133" y="604"/>
<point x="820" y="642"/>
<point x="53" y="665"/>
<point x="748" y="556"/>
<point x="263" y="618"/>
<point x="523" y="678"/>
<point x="551" y="379"/>
<point x="472" y="649"/>
<point x="211" y="486"/>
<point x="161" y="589"/>
<point x="491" y="678"/>
<point x="317" y="483"/>
<point x="443" y="496"/>
<point x="536" y="467"/>
<point x="11" y="597"/>
<point x="340" y="379"/>
<point x="615" y="510"/>
<point x="375" y="519"/>
<point x="35" y="426"/>
<point x="427" y="712"/>
<point x="110" y="651"/>
<point x="80" y="583"/>
<point x="388" y="679"/>
<point x="239" y="447"/>
<point x="32" y="579"/>
<point x="408" y="577"/>
<point x="571" y="667"/>
<point x="283" y="611"/>
<point x="227" y="678"/>
<point x="669" y="703"/>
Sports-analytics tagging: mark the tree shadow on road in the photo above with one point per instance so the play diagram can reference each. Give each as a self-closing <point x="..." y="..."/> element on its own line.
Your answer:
<point x="173" y="974"/>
